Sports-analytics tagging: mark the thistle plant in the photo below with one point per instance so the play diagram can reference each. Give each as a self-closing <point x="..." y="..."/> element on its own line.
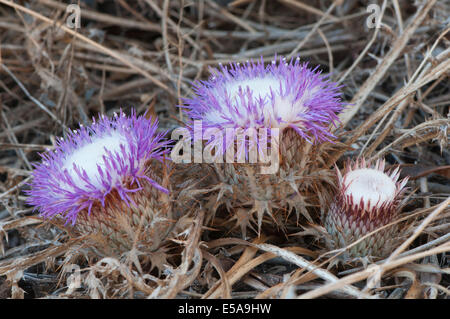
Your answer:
<point x="287" y="98"/>
<point x="367" y="198"/>
<point x="107" y="181"/>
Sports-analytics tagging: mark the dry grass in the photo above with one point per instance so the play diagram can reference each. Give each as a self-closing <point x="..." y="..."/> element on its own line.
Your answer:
<point x="145" y="54"/>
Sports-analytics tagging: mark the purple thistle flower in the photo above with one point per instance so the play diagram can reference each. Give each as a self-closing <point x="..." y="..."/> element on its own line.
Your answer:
<point x="279" y="95"/>
<point x="92" y="162"/>
<point x="286" y="102"/>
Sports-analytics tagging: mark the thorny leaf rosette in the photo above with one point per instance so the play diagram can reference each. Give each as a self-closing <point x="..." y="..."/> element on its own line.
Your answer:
<point x="283" y="108"/>
<point x="367" y="199"/>
<point x="107" y="181"/>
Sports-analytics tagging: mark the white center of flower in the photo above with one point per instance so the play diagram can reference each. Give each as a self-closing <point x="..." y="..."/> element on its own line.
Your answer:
<point x="90" y="155"/>
<point x="259" y="86"/>
<point x="370" y="184"/>
<point x="281" y="114"/>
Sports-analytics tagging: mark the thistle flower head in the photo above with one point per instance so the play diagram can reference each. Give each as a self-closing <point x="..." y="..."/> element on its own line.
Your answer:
<point x="92" y="162"/>
<point x="367" y="198"/>
<point x="370" y="189"/>
<point x="279" y="95"/>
